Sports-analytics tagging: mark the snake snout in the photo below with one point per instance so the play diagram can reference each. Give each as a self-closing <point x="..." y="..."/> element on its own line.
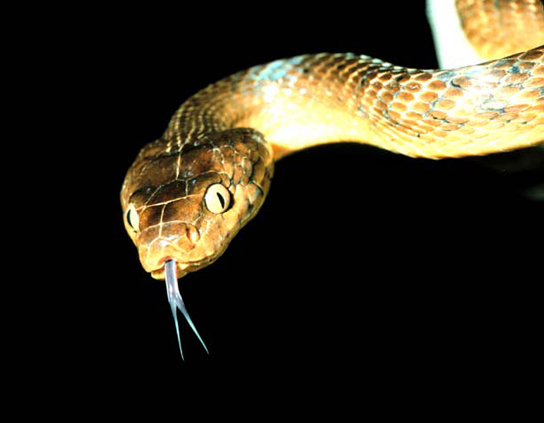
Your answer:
<point x="169" y="241"/>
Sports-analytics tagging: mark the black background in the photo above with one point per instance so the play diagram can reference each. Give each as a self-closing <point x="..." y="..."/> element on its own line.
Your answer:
<point x="367" y="275"/>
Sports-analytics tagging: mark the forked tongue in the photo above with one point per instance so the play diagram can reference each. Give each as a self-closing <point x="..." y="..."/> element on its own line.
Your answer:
<point x="176" y="303"/>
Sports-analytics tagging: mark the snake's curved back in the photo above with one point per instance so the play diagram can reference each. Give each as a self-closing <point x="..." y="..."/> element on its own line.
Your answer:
<point x="189" y="193"/>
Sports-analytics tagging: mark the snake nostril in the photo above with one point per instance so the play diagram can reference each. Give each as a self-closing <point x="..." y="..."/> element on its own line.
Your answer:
<point x="192" y="233"/>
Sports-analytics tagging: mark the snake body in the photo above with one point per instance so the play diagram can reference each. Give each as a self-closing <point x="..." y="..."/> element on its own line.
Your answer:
<point x="189" y="193"/>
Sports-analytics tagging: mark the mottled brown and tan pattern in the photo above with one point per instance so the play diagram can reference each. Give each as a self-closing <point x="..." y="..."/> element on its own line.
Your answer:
<point x="232" y="131"/>
<point x="498" y="28"/>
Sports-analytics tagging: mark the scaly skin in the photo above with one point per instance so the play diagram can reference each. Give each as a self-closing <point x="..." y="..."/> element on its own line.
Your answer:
<point x="189" y="193"/>
<point x="292" y="104"/>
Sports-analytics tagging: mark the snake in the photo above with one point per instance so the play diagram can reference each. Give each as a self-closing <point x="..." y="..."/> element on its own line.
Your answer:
<point x="188" y="193"/>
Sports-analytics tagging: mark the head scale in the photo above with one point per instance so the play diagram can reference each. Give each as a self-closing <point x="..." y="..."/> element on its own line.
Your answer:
<point x="186" y="202"/>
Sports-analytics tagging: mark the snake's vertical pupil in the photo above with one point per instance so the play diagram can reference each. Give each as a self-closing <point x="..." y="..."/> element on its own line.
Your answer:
<point x="221" y="200"/>
<point x="133" y="218"/>
<point x="129" y="218"/>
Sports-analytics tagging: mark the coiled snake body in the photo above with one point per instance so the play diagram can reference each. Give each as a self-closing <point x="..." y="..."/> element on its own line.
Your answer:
<point x="189" y="193"/>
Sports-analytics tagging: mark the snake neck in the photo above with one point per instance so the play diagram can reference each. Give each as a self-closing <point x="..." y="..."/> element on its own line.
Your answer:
<point x="318" y="99"/>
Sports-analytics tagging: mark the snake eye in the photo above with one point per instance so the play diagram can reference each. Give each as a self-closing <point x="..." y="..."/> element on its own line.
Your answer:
<point x="132" y="218"/>
<point x="217" y="198"/>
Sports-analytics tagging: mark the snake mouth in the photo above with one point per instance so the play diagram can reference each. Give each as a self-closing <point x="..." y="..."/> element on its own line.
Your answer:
<point x="160" y="272"/>
<point x="183" y="268"/>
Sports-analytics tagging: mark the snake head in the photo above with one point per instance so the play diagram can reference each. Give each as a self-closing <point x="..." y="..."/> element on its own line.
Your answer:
<point x="186" y="201"/>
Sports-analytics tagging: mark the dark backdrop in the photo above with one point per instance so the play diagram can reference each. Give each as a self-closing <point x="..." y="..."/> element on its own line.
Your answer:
<point x="404" y="276"/>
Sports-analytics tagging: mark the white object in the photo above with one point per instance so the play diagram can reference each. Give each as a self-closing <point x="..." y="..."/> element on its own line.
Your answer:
<point x="452" y="46"/>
